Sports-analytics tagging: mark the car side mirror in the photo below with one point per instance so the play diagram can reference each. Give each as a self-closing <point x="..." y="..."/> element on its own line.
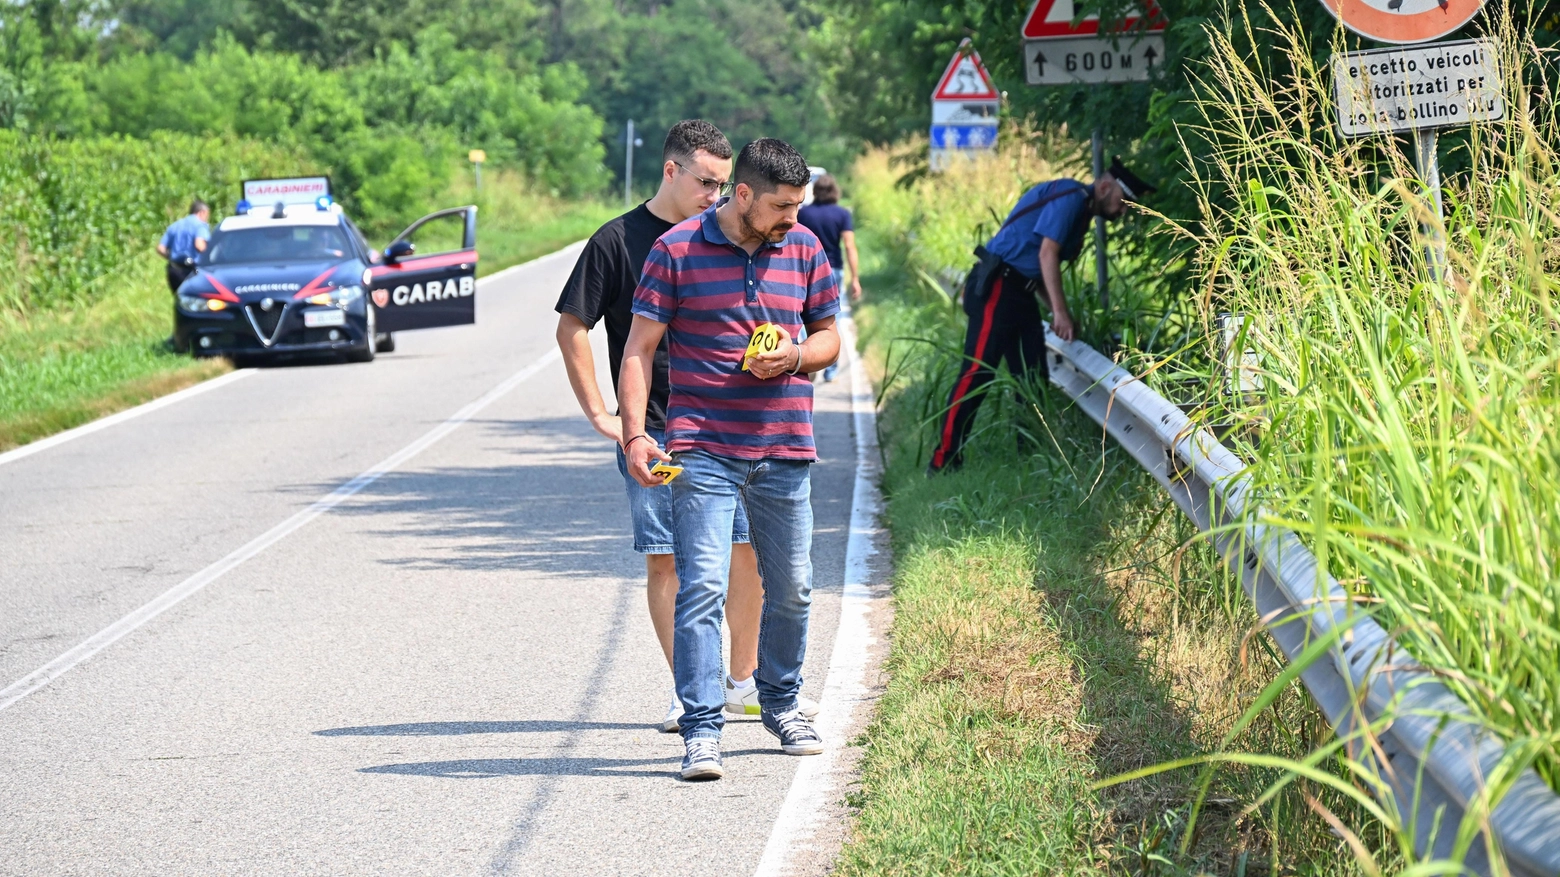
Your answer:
<point x="398" y="251"/>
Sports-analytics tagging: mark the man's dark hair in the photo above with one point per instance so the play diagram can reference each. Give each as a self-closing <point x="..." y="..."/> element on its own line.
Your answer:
<point x="768" y="163"/>
<point x="826" y="190"/>
<point x="691" y="135"/>
<point x="197" y="206"/>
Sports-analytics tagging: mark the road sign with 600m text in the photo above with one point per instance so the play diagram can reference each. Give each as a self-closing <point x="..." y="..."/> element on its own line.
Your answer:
<point x="1092" y="59"/>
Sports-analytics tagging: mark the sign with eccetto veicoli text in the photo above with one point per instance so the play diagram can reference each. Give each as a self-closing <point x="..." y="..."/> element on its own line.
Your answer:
<point x="1436" y="85"/>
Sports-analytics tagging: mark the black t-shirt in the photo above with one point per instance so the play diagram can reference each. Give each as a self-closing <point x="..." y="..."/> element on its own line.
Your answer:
<point x="602" y="285"/>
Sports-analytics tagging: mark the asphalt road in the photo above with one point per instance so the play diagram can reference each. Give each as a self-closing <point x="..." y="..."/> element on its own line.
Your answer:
<point x="450" y="671"/>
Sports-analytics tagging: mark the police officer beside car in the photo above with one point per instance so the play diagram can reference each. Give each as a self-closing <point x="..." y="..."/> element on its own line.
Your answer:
<point x="1021" y="261"/>
<point x="185" y="239"/>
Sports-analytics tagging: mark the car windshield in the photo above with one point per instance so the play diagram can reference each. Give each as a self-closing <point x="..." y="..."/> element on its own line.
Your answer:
<point x="288" y="243"/>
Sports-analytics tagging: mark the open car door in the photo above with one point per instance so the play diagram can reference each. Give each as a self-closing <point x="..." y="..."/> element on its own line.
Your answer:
<point x="429" y="274"/>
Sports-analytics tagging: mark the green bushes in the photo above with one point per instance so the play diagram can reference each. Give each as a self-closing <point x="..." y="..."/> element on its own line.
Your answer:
<point x="945" y="215"/>
<point x="74" y="212"/>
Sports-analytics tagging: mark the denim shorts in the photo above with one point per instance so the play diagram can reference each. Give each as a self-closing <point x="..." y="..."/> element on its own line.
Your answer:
<point x="650" y="508"/>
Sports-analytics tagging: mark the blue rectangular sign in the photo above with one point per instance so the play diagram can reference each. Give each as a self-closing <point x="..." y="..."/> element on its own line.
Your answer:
<point x="964" y="136"/>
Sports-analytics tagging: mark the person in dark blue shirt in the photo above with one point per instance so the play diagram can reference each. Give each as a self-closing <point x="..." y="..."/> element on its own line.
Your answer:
<point x="181" y="243"/>
<point x="836" y="230"/>
<point x="1024" y="258"/>
<point x="184" y="240"/>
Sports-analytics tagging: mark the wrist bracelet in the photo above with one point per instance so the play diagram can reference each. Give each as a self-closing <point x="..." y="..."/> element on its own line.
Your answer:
<point x="634" y="439"/>
<point x="798" y="360"/>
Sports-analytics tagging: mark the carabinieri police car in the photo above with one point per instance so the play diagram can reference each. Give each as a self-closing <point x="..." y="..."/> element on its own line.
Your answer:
<point x="290" y="274"/>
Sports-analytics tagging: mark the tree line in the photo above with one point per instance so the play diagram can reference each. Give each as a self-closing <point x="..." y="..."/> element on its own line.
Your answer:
<point x="387" y="97"/>
<point x="885" y="57"/>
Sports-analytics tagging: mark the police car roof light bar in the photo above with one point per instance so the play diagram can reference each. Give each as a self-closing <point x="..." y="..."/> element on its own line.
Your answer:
<point x="293" y="191"/>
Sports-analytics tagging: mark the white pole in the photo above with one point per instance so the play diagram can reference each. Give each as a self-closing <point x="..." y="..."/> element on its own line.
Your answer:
<point x="628" y="167"/>
<point x="1101" y="267"/>
<point x="1428" y="161"/>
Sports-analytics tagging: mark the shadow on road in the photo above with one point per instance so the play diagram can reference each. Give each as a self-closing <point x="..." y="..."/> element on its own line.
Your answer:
<point x="558" y="508"/>
<point x="489" y="768"/>
<point x="446" y="729"/>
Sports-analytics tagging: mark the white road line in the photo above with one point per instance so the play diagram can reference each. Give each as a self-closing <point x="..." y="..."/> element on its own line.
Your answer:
<point x="102" y="423"/>
<point x="173" y="596"/>
<point x="61" y="438"/>
<point x="817" y="778"/>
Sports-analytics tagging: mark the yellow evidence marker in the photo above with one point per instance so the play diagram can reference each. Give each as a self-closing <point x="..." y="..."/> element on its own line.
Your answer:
<point x="667" y="470"/>
<point x="766" y="338"/>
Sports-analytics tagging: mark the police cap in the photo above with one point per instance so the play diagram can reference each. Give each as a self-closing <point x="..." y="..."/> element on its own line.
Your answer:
<point x="1133" y="187"/>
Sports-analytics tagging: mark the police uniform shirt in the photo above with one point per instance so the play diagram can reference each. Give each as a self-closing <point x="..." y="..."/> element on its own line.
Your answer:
<point x="180" y="237"/>
<point x="602" y="286"/>
<point x="1063" y="217"/>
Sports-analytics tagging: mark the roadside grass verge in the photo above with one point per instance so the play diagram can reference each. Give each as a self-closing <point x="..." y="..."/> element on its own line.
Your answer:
<point x="62" y="367"/>
<point x="1056" y="624"/>
<point x="516" y="223"/>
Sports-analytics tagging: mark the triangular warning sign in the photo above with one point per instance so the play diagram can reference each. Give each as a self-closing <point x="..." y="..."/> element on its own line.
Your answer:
<point x="1054" y="18"/>
<point x="966" y="78"/>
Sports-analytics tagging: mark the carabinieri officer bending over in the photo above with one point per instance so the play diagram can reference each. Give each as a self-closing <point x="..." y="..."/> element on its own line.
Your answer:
<point x="1046" y="228"/>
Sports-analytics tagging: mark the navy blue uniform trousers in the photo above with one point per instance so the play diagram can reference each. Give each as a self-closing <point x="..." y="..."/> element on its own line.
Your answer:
<point x="1005" y="326"/>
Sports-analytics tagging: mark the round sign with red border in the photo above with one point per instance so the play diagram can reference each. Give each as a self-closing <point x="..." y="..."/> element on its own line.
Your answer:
<point x="1404" y="21"/>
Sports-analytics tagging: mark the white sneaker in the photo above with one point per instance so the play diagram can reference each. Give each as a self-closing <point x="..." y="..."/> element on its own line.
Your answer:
<point x="744" y="702"/>
<point x="673" y="721"/>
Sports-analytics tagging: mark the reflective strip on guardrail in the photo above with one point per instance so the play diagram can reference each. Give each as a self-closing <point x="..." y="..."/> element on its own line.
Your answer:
<point x="1436" y="758"/>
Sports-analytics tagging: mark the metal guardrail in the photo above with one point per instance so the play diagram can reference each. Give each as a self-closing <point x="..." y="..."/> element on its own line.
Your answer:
<point x="1436" y="758"/>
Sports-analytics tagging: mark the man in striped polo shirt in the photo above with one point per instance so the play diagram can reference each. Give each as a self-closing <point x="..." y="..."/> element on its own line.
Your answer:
<point x="708" y="283"/>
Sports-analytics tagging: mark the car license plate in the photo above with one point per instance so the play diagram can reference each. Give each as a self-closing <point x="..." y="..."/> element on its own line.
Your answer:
<point x="317" y="317"/>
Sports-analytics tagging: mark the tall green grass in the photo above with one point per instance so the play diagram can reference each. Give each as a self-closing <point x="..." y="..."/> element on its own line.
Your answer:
<point x="1404" y="423"/>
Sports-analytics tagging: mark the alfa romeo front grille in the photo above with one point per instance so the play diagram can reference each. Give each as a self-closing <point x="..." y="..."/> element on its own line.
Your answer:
<point x="266" y="323"/>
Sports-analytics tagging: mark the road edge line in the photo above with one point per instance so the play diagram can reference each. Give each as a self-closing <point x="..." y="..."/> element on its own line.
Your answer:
<point x="845" y="690"/>
<point x="119" y="417"/>
<point x="106" y="637"/>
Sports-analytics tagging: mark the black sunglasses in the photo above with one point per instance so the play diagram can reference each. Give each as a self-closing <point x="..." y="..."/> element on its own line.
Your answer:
<point x="721" y="187"/>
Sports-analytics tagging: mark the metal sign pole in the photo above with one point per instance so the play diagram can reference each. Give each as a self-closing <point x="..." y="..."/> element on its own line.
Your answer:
<point x="477" y="157"/>
<point x="1429" y="164"/>
<point x="1404" y="90"/>
<point x="1101" y="267"/>
<point x="628" y="167"/>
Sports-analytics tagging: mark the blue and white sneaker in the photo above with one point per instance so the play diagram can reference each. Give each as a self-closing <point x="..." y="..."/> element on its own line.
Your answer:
<point x="797" y="735"/>
<point x="701" y="759"/>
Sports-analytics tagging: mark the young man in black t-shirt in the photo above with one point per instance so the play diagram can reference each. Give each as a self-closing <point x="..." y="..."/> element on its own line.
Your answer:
<point x="695" y="169"/>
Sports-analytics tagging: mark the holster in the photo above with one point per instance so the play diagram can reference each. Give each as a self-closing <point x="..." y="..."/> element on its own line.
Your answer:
<point x="978" y="281"/>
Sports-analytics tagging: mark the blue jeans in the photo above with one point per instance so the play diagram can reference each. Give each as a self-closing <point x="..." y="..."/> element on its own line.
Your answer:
<point x="778" y="496"/>
<point x="650" y="509"/>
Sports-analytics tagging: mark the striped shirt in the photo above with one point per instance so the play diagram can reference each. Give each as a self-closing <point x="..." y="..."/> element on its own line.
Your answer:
<point x="712" y="294"/>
